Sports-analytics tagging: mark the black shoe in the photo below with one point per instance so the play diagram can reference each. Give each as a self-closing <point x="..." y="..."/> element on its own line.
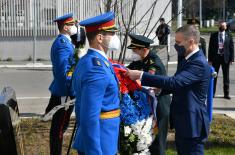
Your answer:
<point x="227" y="97"/>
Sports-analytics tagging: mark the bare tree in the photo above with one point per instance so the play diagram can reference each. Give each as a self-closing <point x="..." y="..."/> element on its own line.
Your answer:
<point x="126" y="19"/>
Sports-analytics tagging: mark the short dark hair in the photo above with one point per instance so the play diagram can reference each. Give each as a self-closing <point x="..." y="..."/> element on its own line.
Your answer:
<point x="162" y="19"/>
<point x="60" y="27"/>
<point x="189" y="31"/>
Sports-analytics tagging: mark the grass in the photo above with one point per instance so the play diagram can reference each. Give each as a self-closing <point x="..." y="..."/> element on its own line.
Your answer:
<point x="205" y="30"/>
<point x="212" y="151"/>
<point x="35" y="135"/>
<point x="221" y="140"/>
<point x="210" y="30"/>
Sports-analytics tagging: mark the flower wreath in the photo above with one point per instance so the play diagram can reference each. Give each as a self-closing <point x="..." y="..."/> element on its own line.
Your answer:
<point x="138" y="122"/>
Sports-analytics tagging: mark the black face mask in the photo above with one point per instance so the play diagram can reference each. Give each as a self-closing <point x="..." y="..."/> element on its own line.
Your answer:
<point x="180" y="50"/>
<point x="221" y="29"/>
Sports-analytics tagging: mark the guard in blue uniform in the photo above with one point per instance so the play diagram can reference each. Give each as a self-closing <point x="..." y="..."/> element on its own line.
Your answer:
<point x="62" y="58"/>
<point x="97" y="91"/>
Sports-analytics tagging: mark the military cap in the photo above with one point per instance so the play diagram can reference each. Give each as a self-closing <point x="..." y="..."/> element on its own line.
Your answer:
<point x="103" y="22"/>
<point x="193" y="21"/>
<point x="139" y="41"/>
<point x="65" y="19"/>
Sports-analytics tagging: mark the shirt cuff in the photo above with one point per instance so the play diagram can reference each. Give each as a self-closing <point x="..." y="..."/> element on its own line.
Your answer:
<point x="141" y="75"/>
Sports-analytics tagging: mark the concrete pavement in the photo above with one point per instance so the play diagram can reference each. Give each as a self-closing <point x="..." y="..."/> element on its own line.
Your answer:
<point x="33" y="105"/>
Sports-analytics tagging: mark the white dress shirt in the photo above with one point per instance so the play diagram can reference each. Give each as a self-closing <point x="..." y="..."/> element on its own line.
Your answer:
<point x="101" y="52"/>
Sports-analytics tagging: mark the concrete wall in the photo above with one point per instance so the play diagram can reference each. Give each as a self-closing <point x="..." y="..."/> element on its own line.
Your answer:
<point x="21" y="48"/>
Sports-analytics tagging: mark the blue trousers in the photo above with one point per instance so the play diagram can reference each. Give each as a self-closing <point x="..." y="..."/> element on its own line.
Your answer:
<point x="189" y="146"/>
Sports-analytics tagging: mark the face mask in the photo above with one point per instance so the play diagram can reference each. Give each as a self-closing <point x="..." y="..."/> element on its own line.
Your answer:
<point x="114" y="43"/>
<point x="135" y="57"/>
<point x="73" y="30"/>
<point x="180" y="49"/>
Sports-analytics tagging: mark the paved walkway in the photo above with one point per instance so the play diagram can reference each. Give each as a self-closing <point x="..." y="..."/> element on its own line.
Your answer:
<point x="37" y="107"/>
<point x="223" y="106"/>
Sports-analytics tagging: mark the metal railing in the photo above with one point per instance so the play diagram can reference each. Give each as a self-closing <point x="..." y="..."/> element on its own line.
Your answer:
<point x="26" y="17"/>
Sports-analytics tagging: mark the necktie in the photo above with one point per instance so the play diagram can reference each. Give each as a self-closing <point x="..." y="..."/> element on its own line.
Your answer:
<point x="221" y="44"/>
<point x="221" y="38"/>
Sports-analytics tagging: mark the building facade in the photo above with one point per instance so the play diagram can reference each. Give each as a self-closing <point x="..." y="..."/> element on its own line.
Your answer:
<point x="27" y="29"/>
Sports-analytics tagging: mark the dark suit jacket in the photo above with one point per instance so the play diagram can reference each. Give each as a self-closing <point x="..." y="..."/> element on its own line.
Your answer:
<point x="228" y="48"/>
<point x="189" y="86"/>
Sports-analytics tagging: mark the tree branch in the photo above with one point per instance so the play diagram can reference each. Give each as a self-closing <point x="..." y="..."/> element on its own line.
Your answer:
<point x="151" y="16"/>
<point x="159" y="17"/>
<point x="141" y="18"/>
<point x="127" y="31"/>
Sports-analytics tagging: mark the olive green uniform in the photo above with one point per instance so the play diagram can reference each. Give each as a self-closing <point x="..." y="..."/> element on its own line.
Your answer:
<point x="152" y="64"/>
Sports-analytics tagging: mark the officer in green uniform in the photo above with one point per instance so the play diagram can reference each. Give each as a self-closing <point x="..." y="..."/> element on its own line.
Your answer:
<point x="202" y="42"/>
<point x="148" y="61"/>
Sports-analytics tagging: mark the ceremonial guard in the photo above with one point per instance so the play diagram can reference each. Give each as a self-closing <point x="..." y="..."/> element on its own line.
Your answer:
<point x="97" y="90"/>
<point x="62" y="59"/>
<point x="148" y="61"/>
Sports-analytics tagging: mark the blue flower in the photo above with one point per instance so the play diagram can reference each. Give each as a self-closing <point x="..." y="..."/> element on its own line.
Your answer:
<point x="136" y="109"/>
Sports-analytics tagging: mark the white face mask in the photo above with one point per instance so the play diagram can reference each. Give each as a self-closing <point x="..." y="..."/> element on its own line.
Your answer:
<point x="114" y="43"/>
<point x="73" y="30"/>
<point x="135" y="57"/>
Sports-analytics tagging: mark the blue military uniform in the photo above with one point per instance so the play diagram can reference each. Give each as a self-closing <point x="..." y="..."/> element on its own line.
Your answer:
<point x="62" y="59"/>
<point x="97" y="98"/>
<point x="189" y="114"/>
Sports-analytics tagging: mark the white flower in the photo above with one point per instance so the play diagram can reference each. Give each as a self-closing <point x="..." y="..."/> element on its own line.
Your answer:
<point x="141" y="145"/>
<point x="145" y="152"/>
<point x="143" y="130"/>
<point x="127" y="131"/>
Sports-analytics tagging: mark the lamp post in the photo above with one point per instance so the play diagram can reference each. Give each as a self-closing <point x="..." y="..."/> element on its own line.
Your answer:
<point x="179" y="18"/>
<point x="224" y="10"/>
<point x="200" y="12"/>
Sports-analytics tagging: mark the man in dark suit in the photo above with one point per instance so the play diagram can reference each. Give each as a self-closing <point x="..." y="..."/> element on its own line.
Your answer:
<point x="189" y="87"/>
<point x="221" y="53"/>
<point x="151" y="63"/>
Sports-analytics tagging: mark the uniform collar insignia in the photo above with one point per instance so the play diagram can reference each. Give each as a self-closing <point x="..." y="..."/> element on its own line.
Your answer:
<point x="96" y="62"/>
<point x="106" y="63"/>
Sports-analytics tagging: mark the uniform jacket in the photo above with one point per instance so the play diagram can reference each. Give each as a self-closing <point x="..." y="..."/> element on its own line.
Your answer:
<point x="62" y="58"/>
<point x="228" y="48"/>
<point x="153" y="64"/>
<point x="96" y="89"/>
<point x="150" y="63"/>
<point x="189" y="86"/>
